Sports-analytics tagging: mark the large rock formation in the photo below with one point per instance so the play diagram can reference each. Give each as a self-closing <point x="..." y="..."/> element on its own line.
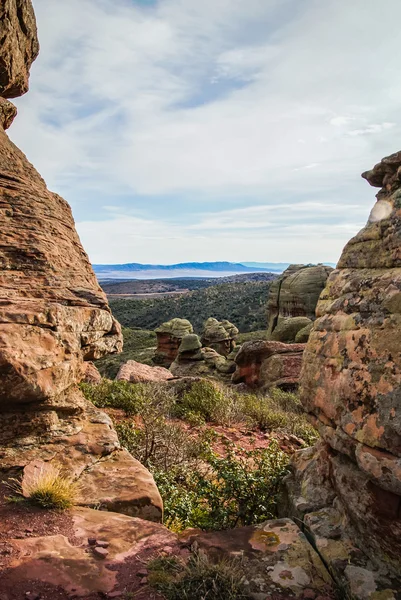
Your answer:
<point x="294" y="294"/>
<point x="219" y="335"/>
<point x="351" y="386"/>
<point x="53" y="314"/>
<point x="194" y="361"/>
<point x="169" y="337"/>
<point x="264" y="364"/>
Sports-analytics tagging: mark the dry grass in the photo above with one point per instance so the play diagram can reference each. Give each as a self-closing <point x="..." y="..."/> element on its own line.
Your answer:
<point x="49" y="488"/>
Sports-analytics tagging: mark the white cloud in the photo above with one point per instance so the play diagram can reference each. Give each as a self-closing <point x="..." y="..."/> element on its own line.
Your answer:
<point x="206" y="104"/>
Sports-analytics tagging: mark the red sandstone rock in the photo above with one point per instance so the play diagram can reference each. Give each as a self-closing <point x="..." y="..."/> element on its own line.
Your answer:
<point x="169" y="337"/>
<point x="53" y="316"/>
<point x="136" y="372"/>
<point x="19" y="46"/>
<point x="91" y="373"/>
<point x="265" y="363"/>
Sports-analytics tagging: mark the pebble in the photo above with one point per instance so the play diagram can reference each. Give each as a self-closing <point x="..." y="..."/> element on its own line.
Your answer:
<point x="142" y="573"/>
<point x="92" y="541"/>
<point x="101" y="552"/>
<point x="102" y="544"/>
<point x="144" y="581"/>
<point x="115" y="594"/>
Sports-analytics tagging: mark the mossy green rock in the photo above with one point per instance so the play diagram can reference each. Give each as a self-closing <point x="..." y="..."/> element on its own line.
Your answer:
<point x="303" y="334"/>
<point x="287" y="329"/>
<point x="176" y="327"/>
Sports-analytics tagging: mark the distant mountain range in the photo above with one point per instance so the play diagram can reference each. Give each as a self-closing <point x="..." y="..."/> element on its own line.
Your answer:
<point x="190" y="269"/>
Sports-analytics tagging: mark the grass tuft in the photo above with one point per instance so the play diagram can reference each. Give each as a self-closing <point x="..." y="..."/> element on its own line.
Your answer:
<point x="48" y="489"/>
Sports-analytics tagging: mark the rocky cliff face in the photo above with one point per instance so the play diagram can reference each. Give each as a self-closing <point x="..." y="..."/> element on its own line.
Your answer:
<point x="294" y="295"/>
<point x="53" y="314"/>
<point x="351" y="386"/>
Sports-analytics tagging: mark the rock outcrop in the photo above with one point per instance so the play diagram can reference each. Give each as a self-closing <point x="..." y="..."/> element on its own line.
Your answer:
<point x="219" y="335"/>
<point x="136" y="372"/>
<point x="19" y="46"/>
<point x="53" y="313"/>
<point x="294" y="294"/>
<point x="351" y="387"/>
<point x="264" y="364"/>
<point x="169" y="337"/>
<point x="194" y="361"/>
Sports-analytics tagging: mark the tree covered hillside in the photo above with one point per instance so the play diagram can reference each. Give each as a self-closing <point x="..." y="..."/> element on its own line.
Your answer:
<point x="241" y="303"/>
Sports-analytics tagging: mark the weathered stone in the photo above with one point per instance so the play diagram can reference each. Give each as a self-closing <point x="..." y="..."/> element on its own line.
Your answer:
<point x="55" y="561"/>
<point x="288" y="328"/>
<point x="275" y="556"/>
<point x="136" y="372"/>
<point x="303" y="334"/>
<point x="267" y="363"/>
<point x="19" y="46"/>
<point x="295" y="294"/>
<point x="351" y="386"/>
<point x="8" y="112"/>
<point x="219" y="336"/>
<point x="169" y="337"/>
<point x="91" y="373"/>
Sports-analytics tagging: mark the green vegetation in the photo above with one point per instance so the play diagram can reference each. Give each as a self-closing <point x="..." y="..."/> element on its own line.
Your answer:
<point x="139" y="345"/>
<point x="202" y="487"/>
<point x="198" y="579"/>
<point x="241" y="303"/>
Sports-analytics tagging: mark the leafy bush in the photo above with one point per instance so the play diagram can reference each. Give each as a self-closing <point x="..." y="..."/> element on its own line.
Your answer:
<point x="236" y="489"/>
<point x="132" y="398"/>
<point x="199" y="579"/>
<point x="208" y="401"/>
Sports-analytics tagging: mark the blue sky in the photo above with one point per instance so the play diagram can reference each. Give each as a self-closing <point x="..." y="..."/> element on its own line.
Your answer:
<point x="181" y="130"/>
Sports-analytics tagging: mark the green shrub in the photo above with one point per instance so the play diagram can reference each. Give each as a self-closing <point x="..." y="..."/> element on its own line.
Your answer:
<point x="208" y="401"/>
<point x="199" y="579"/>
<point x="132" y="398"/>
<point x="236" y="489"/>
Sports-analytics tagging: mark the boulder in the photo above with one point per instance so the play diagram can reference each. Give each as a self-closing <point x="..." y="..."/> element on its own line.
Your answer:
<point x="351" y="386"/>
<point x="219" y="336"/>
<point x="53" y="315"/>
<point x="169" y="337"/>
<point x="91" y="373"/>
<point x="288" y="328"/>
<point x="295" y="294"/>
<point x="264" y="364"/>
<point x="136" y="372"/>
<point x="303" y="334"/>
<point x="201" y="362"/>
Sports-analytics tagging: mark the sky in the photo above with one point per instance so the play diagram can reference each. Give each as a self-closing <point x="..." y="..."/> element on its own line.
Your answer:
<point x="188" y="130"/>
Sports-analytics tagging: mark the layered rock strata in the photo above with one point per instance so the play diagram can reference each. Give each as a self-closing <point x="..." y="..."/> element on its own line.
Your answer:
<point x="294" y="294"/>
<point x="351" y="387"/>
<point x="53" y="313"/>
<point x="264" y="364"/>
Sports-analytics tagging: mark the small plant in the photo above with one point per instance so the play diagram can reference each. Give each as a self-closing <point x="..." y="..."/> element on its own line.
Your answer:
<point x="199" y="579"/>
<point x="208" y="401"/>
<point x="48" y="488"/>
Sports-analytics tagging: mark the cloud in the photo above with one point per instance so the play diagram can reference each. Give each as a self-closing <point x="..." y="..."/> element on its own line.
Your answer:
<point x="175" y="113"/>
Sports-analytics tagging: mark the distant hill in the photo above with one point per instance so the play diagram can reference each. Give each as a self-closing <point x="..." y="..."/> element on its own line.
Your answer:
<point x="123" y="287"/>
<point x="190" y="269"/>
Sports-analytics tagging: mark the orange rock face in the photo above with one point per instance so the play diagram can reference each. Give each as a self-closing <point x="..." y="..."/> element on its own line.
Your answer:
<point x="53" y="317"/>
<point x="351" y="375"/>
